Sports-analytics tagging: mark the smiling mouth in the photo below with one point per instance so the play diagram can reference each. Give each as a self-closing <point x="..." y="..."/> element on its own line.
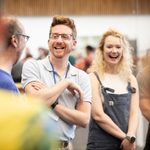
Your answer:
<point x="59" y="48"/>
<point x="113" y="57"/>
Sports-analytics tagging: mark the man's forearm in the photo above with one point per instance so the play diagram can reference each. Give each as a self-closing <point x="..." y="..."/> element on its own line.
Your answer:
<point x="74" y="116"/>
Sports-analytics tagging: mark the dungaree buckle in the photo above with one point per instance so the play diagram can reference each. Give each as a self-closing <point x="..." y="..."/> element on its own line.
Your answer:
<point x="64" y="144"/>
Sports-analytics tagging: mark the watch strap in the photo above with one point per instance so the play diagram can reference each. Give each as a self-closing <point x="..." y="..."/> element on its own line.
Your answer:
<point x="128" y="138"/>
<point x="54" y="104"/>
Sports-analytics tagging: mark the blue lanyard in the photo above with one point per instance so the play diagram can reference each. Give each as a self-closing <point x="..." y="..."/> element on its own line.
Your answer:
<point x="54" y="72"/>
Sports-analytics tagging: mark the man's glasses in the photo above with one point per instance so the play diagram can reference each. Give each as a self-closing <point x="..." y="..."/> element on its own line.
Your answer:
<point x="64" y="36"/>
<point x="26" y="37"/>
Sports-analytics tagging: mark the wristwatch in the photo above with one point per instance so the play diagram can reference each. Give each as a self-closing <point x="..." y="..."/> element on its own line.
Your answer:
<point x="54" y="104"/>
<point x="131" y="139"/>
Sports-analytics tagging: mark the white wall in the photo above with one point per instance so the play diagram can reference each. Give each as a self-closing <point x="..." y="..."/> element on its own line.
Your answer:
<point x="135" y="27"/>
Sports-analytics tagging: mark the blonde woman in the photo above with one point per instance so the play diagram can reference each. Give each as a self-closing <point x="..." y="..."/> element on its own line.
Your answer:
<point x="115" y="96"/>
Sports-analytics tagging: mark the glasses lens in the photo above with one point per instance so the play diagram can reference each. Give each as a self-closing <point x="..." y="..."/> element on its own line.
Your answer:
<point x="26" y="37"/>
<point x="55" y="36"/>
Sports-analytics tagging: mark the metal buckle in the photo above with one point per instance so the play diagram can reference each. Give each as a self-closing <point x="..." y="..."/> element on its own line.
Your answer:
<point x="64" y="144"/>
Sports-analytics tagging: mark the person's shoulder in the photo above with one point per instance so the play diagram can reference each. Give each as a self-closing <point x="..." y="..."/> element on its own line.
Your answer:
<point x="133" y="81"/>
<point x="30" y="61"/>
<point x="143" y="74"/>
<point x="33" y="62"/>
<point x="3" y="72"/>
<point x="92" y="75"/>
<point x="145" y="70"/>
<point x="79" y="70"/>
<point x="74" y="67"/>
<point x="30" y="64"/>
<point x="132" y="78"/>
<point x="95" y="78"/>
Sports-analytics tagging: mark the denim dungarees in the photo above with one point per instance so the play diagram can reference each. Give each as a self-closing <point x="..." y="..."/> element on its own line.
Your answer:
<point x="116" y="106"/>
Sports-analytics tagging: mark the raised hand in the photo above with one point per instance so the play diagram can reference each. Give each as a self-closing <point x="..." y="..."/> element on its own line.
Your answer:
<point x="75" y="89"/>
<point x="38" y="85"/>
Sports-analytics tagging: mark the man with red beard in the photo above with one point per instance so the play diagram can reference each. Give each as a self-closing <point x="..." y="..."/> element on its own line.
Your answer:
<point x="63" y="87"/>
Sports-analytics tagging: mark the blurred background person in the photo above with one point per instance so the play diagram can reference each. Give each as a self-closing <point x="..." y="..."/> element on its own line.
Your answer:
<point x="72" y="60"/>
<point x="15" y="39"/>
<point x="24" y="124"/>
<point x="85" y="62"/>
<point x="143" y="78"/>
<point x="144" y="60"/>
<point x="115" y="97"/>
<point x="17" y="68"/>
<point x="43" y="52"/>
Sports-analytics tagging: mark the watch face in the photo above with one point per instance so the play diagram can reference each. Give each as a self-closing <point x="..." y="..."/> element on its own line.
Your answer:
<point x="132" y="140"/>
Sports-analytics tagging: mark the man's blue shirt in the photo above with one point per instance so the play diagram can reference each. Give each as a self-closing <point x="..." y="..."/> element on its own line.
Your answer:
<point x="6" y="82"/>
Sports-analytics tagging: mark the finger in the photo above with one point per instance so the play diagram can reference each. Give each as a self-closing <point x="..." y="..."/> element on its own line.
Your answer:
<point x="80" y="95"/>
<point x="38" y="84"/>
<point x="36" y="87"/>
<point x="73" y="92"/>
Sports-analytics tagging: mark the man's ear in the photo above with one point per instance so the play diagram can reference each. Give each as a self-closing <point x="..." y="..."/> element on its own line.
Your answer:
<point x="74" y="44"/>
<point x="14" y="41"/>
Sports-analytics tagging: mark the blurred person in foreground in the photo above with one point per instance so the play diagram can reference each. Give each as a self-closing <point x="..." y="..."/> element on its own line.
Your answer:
<point x="2" y="29"/>
<point x="65" y="88"/>
<point x="115" y="100"/>
<point x="143" y="78"/>
<point x="15" y="40"/>
<point x="24" y="124"/>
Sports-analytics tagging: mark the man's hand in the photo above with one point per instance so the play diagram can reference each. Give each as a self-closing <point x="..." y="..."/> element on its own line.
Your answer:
<point x="126" y="145"/>
<point x="75" y="89"/>
<point x="38" y="85"/>
<point x="67" y="83"/>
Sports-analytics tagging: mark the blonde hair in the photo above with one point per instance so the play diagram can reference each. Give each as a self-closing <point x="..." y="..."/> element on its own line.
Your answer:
<point x="126" y="63"/>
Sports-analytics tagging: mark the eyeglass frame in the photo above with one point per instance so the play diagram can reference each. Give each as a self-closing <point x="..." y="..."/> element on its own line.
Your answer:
<point x="25" y="36"/>
<point x="58" y="35"/>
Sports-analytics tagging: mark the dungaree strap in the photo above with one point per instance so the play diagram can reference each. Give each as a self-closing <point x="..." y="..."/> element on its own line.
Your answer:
<point x="98" y="78"/>
<point x="102" y="87"/>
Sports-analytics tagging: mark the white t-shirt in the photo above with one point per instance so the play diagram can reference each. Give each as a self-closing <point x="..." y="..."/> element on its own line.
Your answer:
<point x="115" y="82"/>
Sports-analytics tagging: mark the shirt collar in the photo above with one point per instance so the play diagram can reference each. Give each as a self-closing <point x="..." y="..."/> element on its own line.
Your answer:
<point x="46" y="64"/>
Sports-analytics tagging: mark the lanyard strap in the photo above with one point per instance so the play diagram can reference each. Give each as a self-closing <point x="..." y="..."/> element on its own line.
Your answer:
<point x="54" y="72"/>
